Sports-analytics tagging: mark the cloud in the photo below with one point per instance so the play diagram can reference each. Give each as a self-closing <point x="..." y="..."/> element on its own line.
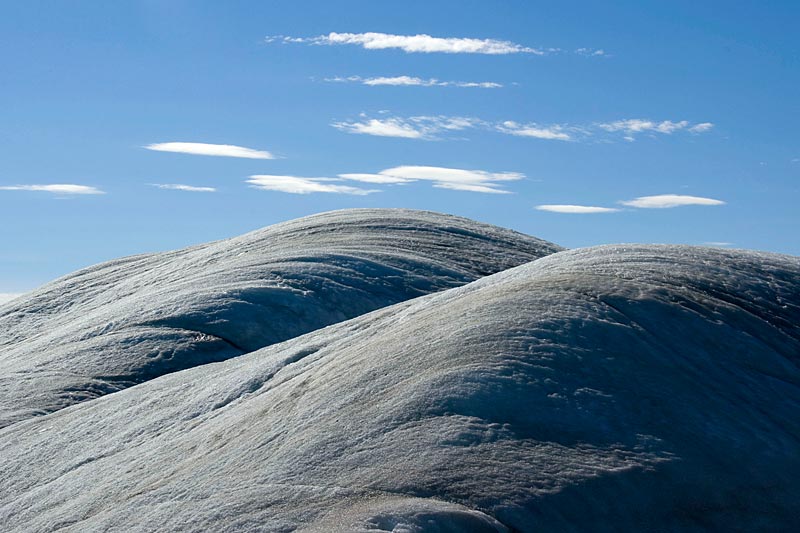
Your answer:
<point x="591" y="52"/>
<point x="222" y="150"/>
<point x="533" y="130"/>
<point x="375" y="178"/>
<point x="414" y="81"/>
<point x="663" y="201"/>
<point x="180" y="187"/>
<point x="421" y="127"/>
<point x="436" y="127"/>
<point x="579" y="209"/>
<point x="420" y="43"/>
<point x="701" y="128"/>
<point x="717" y="244"/>
<point x="55" y="188"/>
<point x="298" y="185"/>
<point x="391" y="127"/>
<point x="8" y="296"/>
<point x="633" y="126"/>
<point x="442" y="177"/>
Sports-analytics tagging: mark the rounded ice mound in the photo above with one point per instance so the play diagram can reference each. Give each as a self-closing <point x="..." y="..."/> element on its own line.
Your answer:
<point x="619" y="388"/>
<point x="116" y="324"/>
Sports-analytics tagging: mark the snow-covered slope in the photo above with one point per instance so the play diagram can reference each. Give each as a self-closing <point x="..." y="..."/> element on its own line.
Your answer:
<point x="618" y="388"/>
<point x="113" y="325"/>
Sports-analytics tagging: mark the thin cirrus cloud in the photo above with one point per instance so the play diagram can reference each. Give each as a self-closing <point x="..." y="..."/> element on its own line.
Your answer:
<point x="420" y="43"/>
<point x="635" y="126"/>
<point x="414" y="81"/>
<point x="665" y="201"/>
<point x="427" y="44"/>
<point x="299" y="185"/>
<point x="437" y="127"/>
<point x="479" y="181"/>
<point x="55" y="188"/>
<point x="555" y="132"/>
<point x="390" y="127"/>
<point x="181" y="187"/>
<point x="419" y="127"/>
<point x="575" y="209"/>
<point x="443" y="178"/>
<point x="220" y="150"/>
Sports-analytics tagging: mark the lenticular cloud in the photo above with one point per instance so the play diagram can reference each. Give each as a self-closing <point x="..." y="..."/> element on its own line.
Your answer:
<point x="221" y="150"/>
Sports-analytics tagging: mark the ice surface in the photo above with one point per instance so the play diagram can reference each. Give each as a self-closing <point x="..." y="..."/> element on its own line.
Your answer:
<point x="617" y="388"/>
<point x="113" y="325"/>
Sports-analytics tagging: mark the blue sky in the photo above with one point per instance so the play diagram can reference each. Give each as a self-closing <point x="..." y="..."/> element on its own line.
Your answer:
<point x="545" y="104"/>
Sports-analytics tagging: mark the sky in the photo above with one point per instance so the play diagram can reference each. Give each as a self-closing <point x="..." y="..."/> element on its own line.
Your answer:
<point x="140" y="126"/>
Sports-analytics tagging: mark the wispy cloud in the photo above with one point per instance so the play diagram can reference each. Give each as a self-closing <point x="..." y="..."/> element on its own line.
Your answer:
<point x="222" y="150"/>
<point x="414" y="81"/>
<point x="663" y="201"/>
<point x="55" y="188"/>
<point x="436" y="127"/>
<point x="575" y="209"/>
<point x="634" y="126"/>
<point x="299" y="185"/>
<point x="701" y="128"/>
<point x="390" y="127"/>
<point x="718" y="244"/>
<point x="591" y="52"/>
<point x="421" y="127"/>
<point x="181" y="187"/>
<point x="441" y="177"/>
<point x="555" y="132"/>
<point x="420" y="43"/>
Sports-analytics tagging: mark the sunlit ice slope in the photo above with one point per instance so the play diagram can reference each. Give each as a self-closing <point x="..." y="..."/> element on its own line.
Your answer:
<point x="113" y="325"/>
<point x="617" y="388"/>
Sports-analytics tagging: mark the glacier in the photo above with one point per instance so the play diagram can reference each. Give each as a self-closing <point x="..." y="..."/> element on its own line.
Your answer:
<point x="120" y="323"/>
<point x="620" y="387"/>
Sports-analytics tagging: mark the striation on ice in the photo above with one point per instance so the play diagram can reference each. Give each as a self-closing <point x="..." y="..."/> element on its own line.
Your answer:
<point x="616" y="388"/>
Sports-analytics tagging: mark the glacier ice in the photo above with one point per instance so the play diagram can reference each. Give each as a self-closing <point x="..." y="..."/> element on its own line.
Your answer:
<point x="116" y="324"/>
<point x="613" y="388"/>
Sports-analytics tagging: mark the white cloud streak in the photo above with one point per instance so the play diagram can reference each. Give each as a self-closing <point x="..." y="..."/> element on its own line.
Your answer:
<point x="437" y="127"/>
<point x="575" y="209"/>
<point x="414" y="81"/>
<point x="390" y="127"/>
<point x="181" y="187"/>
<point x="375" y="178"/>
<point x="458" y="179"/>
<point x="701" y="128"/>
<point x="664" y="201"/>
<point x="633" y="126"/>
<point x="591" y="52"/>
<point x="55" y="188"/>
<point x="421" y="127"/>
<point x="220" y="150"/>
<point x="555" y="132"/>
<point x="442" y="178"/>
<point x="299" y="185"/>
<point x="420" y="43"/>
